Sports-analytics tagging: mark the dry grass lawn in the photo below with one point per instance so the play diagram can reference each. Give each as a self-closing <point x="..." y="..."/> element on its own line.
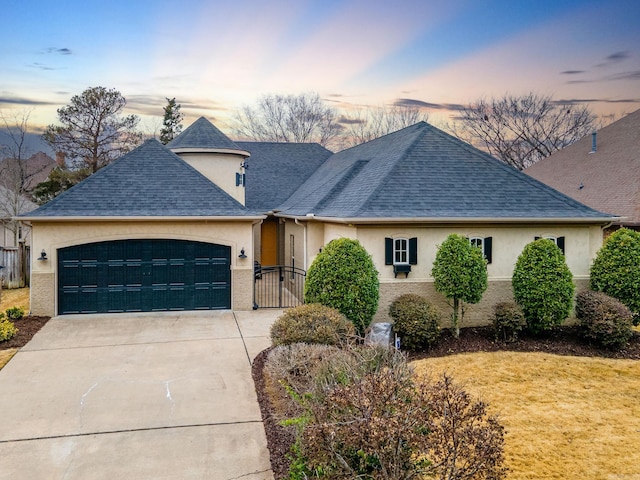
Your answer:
<point x="565" y="417"/>
<point x="17" y="297"/>
<point x="6" y="355"/>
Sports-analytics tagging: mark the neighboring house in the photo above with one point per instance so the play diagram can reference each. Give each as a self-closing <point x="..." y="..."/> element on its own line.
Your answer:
<point x="13" y="232"/>
<point x="601" y="170"/>
<point x="180" y="227"/>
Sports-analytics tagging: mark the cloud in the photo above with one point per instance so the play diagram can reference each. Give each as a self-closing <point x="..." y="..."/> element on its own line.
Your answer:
<point x="572" y="72"/>
<point x="633" y="75"/>
<point x="351" y="121"/>
<point x="574" y="101"/>
<point x="59" y="51"/>
<point x="41" y="66"/>
<point x="410" y="102"/>
<point x="614" y="58"/>
<point x="23" y="101"/>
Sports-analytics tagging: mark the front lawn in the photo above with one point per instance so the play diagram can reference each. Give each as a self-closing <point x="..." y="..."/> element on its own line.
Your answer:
<point x="566" y="417"/>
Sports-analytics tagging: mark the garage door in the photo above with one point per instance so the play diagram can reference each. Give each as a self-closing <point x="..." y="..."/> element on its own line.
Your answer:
<point x="143" y="276"/>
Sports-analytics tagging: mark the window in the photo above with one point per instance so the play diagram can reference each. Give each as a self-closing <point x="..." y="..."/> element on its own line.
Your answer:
<point x="559" y="241"/>
<point x="484" y="244"/>
<point x="401" y="253"/>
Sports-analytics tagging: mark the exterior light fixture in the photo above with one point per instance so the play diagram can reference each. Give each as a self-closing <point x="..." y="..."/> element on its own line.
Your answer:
<point x="242" y="254"/>
<point x="43" y="256"/>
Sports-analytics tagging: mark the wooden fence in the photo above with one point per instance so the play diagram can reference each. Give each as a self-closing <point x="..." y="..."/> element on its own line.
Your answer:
<point x="16" y="266"/>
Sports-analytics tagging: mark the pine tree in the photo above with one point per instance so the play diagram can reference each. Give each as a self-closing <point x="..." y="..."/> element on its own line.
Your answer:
<point x="171" y="126"/>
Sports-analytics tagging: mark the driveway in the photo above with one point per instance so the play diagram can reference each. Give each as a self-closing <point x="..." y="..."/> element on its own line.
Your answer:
<point x="144" y="396"/>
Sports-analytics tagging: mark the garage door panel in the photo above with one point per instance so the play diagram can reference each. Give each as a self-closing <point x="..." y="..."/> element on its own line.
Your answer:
<point x="143" y="275"/>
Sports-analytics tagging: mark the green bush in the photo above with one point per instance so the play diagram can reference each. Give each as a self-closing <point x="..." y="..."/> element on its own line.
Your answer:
<point x="344" y="277"/>
<point x="508" y="321"/>
<point x="460" y="273"/>
<point x="7" y="329"/>
<point x="615" y="269"/>
<point x="311" y="323"/>
<point x="604" y="319"/>
<point x="15" y="313"/>
<point x="543" y="285"/>
<point x="415" y="321"/>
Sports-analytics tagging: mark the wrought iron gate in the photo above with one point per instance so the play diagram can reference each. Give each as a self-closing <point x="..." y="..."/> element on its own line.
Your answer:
<point x="278" y="287"/>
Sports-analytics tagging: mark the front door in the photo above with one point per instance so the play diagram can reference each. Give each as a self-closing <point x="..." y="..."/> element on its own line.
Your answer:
<point x="269" y="242"/>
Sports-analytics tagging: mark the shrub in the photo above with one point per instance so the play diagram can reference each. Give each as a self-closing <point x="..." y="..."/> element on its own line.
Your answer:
<point x="508" y="321"/>
<point x="460" y="273"/>
<point x="344" y="277"/>
<point x="415" y="321"/>
<point x="382" y="426"/>
<point x="7" y="329"/>
<point x="311" y="323"/>
<point x="615" y="269"/>
<point x="604" y="319"/>
<point x="543" y="285"/>
<point x="15" y="313"/>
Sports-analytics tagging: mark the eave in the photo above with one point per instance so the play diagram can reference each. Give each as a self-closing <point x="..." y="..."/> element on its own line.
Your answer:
<point x="247" y="218"/>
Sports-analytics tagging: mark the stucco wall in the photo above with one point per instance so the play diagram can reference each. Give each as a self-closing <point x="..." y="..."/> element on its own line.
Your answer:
<point x="50" y="236"/>
<point x="220" y="168"/>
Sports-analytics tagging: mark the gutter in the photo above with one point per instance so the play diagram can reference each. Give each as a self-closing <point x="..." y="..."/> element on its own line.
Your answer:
<point x="450" y="220"/>
<point x="85" y="218"/>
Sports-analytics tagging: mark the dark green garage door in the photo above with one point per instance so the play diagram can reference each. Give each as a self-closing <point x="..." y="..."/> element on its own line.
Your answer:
<point x="143" y="276"/>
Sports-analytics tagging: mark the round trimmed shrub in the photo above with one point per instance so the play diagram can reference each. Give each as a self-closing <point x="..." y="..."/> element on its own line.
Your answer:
<point x="311" y="323"/>
<point x="604" y="319"/>
<point x="415" y="321"/>
<point x="343" y="276"/>
<point x="543" y="285"/>
<point x="615" y="269"/>
<point x="7" y="329"/>
<point x="15" y="313"/>
<point x="508" y="321"/>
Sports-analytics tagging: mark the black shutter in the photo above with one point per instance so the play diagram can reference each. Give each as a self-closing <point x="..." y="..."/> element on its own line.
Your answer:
<point x="388" y="251"/>
<point x="487" y="248"/>
<point x="560" y="243"/>
<point x="413" y="251"/>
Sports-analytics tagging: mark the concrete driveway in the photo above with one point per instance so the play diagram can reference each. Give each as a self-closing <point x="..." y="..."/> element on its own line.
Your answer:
<point x="144" y="396"/>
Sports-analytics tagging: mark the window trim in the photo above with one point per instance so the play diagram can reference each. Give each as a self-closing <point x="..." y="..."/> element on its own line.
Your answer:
<point x="486" y="246"/>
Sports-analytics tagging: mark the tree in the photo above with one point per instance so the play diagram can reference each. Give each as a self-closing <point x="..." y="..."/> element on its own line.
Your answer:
<point x="460" y="273"/>
<point x="344" y="277"/>
<point x="171" y="126"/>
<point x="543" y="285"/>
<point x="93" y="132"/>
<point x="17" y="171"/>
<point x="366" y="124"/>
<point x="288" y="118"/>
<point x="521" y="130"/>
<point x="615" y="269"/>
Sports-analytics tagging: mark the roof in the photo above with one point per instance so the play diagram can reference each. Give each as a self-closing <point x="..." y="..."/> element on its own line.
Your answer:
<point x="276" y="170"/>
<point x="608" y="179"/>
<point x="202" y="135"/>
<point x="35" y="170"/>
<point x="421" y="173"/>
<point x="150" y="181"/>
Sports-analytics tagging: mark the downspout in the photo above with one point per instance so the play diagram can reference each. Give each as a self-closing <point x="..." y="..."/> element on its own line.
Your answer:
<point x="304" y="241"/>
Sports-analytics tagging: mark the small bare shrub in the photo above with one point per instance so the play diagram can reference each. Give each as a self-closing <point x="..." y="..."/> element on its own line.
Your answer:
<point x="416" y="321"/>
<point x="604" y="319"/>
<point x="311" y="323"/>
<point x="508" y="321"/>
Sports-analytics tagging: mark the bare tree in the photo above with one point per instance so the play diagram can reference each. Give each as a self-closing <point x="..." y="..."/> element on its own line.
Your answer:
<point x="18" y="172"/>
<point x="93" y="132"/>
<point x="521" y="130"/>
<point x="373" y="122"/>
<point x="288" y="118"/>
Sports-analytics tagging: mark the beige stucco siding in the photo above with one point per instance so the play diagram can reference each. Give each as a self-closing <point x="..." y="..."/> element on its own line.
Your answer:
<point x="50" y="236"/>
<point x="581" y="246"/>
<point x="221" y="169"/>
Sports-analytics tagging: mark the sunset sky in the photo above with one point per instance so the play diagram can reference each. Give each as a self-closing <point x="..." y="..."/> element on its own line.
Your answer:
<point x="215" y="56"/>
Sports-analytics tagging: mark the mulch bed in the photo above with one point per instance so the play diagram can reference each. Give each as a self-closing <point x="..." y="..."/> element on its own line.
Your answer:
<point x="559" y="341"/>
<point x="27" y="328"/>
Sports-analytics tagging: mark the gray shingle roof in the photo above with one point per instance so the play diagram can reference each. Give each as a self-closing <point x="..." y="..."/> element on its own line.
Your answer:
<point x="202" y="134"/>
<point x="150" y="181"/>
<point x="276" y="170"/>
<point x="422" y="172"/>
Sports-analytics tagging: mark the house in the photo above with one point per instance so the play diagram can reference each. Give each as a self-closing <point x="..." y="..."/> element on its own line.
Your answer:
<point x="180" y="227"/>
<point x="601" y="170"/>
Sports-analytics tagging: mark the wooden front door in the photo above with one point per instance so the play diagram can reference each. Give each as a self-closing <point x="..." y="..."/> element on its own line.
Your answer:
<point x="269" y="243"/>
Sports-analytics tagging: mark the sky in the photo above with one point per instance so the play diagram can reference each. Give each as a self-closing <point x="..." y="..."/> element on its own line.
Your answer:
<point x="216" y="56"/>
